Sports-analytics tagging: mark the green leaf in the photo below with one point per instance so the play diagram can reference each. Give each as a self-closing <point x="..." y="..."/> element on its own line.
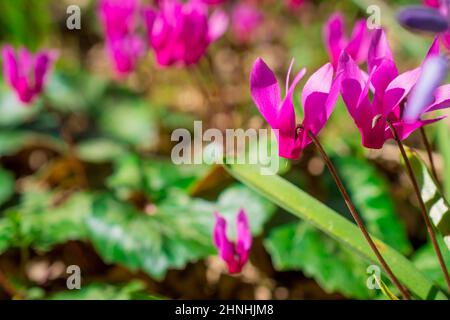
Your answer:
<point x="443" y="143"/>
<point x="99" y="150"/>
<point x="6" y="185"/>
<point x="299" y="246"/>
<point x="63" y="91"/>
<point x="42" y="224"/>
<point x="299" y="203"/>
<point x="8" y="231"/>
<point x="437" y="206"/>
<point x="370" y="193"/>
<point x="426" y="261"/>
<point x="12" y="141"/>
<point x="155" y="177"/>
<point x="130" y="121"/>
<point x="133" y="290"/>
<point x="12" y="110"/>
<point x="177" y="231"/>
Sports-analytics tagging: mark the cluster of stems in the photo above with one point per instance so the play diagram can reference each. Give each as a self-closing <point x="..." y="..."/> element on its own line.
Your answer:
<point x="404" y="292"/>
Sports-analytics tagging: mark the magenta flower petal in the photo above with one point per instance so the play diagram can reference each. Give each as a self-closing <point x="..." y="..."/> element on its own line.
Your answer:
<point x="379" y="49"/>
<point x="432" y="3"/>
<point x="405" y="129"/>
<point x="180" y="32"/>
<point x="334" y="36"/>
<point x="265" y="91"/>
<point x="399" y="88"/>
<point x="225" y="246"/>
<point x="26" y="72"/>
<point x="441" y="99"/>
<point x="218" y="24"/>
<point x="10" y="67"/>
<point x="244" y="237"/>
<point x="432" y="75"/>
<point x="245" y="20"/>
<point x="295" y="4"/>
<point x="445" y="38"/>
<point x="336" y="41"/>
<point x="288" y="143"/>
<point x="358" y="46"/>
<point x="352" y="84"/>
<point x="319" y="97"/>
<point x="236" y="254"/>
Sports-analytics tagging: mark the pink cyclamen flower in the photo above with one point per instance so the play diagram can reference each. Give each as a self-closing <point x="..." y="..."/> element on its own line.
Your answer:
<point x="214" y="2"/>
<point x="180" y="33"/>
<point x="389" y="91"/>
<point x="432" y="3"/>
<point x="235" y="254"/>
<point x="124" y="45"/>
<point x="336" y="41"/>
<point x="295" y="4"/>
<point x="245" y="20"/>
<point x="444" y="9"/>
<point x="118" y="16"/>
<point x="428" y="88"/>
<point x="318" y="100"/>
<point x="26" y="72"/>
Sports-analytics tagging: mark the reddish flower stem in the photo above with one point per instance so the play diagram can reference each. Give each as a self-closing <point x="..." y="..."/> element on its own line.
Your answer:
<point x="429" y="153"/>
<point x="423" y="208"/>
<point x="358" y="218"/>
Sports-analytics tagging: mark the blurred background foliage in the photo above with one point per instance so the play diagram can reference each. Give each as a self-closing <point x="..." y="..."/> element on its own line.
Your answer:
<point x="86" y="177"/>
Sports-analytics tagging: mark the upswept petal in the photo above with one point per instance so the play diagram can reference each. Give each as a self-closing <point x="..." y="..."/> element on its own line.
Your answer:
<point x="315" y="98"/>
<point x="358" y="46"/>
<point x="432" y="75"/>
<point x="432" y="3"/>
<point x="445" y="37"/>
<point x="353" y="82"/>
<point x="404" y="129"/>
<point x="382" y="75"/>
<point x="225" y="246"/>
<point x="434" y="49"/>
<point x="379" y="49"/>
<point x="289" y="144"/>
<point x="441" y="99"/>
<point x="334" y="36"/>
<point x="265" y="91"/>
<point x="398" y="89"/>
<point x="243" y="237"/>
<point x="10" y="67"/>
<point x="218" y="24"/>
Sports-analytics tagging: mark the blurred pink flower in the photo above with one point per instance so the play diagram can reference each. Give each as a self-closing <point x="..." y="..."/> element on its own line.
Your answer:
<point x="234" y="254"/>
<point x="444" y="9"/>
<point x="124" y="45"/>
<point x="336" y="41"/>
<point x="428" y="89"/>
<point x="432" y="3"/>
<point x="25" y="72"/>
<point x="245" y="20"/>
<point x="318" y="100"/>
<point x="295" y="4"/>
<point x="180" y="33"/>
<point x="214" y="2"/>
<point x="118" y="16"/>
<point x="389" y="91"/>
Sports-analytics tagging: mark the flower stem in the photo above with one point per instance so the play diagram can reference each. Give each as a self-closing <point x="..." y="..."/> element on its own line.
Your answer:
<point x="429" y="153"/>
<point x="357" y="217"/>
<point x="423" y="208"/>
